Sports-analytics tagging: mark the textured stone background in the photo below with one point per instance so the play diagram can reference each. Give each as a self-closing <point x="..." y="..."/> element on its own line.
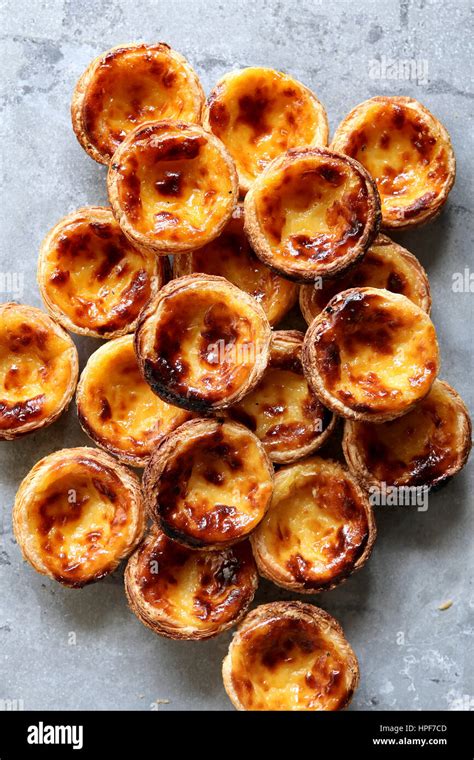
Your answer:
<point x="412" y="655"/>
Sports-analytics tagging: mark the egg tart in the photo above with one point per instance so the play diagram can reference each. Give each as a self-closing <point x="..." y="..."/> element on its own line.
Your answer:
<point x="117" y="407"/>
<point x="127" y="86"/>
<point x="184" y="594"/>
<point x="371" y="355"/>
<point x="77" y="514"/>
<point x="319" y="528"/>
<point x="425" y="447"/>
<point x="231" y="256"/>
<point x="259" y="113"/>
<point x="92" y="280"/>
<point x="385" y="265"/>
<point x="38" y="370"/>
<point x="290" y="656"/>
<point x="408" y="153"/>
<point x="208" y="484"/>
<point x="172" y="186"/>
<point x="282" y="410"/>
<point x="202" y="344"/>
<point x="312" y="213"/>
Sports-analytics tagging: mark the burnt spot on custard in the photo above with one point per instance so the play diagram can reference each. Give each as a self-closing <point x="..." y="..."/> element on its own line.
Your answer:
<point x="224" y="582"/>
<point x="16" y="414"/>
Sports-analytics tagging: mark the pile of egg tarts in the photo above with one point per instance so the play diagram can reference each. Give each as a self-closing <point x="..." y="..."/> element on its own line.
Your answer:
<point x="225" y="214"/>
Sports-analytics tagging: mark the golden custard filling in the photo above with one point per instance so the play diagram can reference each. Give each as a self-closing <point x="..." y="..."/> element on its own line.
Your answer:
<point x="316" y="528"/>
<point x="403" y="153"/>
<point x="36" y="368"/>
<point x="216" y="488"/>
<point x="134" y="85"/>
<point x="174" y="184"/>
<point x="205" y="344"/>
<point x="313" y="210"/>
<point x="376" y="351"/>
<point x="289" y="664"/>
<point x="117" y="406"/>
<point x="78" y="520"/>
<point x="260" y="113"/>
<point x="231" y="256"/>
<point x="93" y="274"/>
<point x="418" y="448"/>
<point x="188" y="589"/>
<point x="385" y="265"/>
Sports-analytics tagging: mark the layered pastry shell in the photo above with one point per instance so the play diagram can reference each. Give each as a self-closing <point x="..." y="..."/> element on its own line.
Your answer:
<point x="128" y="85"/>
<point x="282" y="410"/>
<point x="93" y="281"/>
<point x="38" y="370"/>
<point x="312" y="213"/>
<point x="371" y="355"/>
<point x="117" y="408"/>
<point x="202" y="343"/>
<point x="259" y="113"/>
<point x="385" y="265"/>
<point x="172" y="186"/>
<point x="231" y="256"/>
<point x="407" y="151"/>
<point x="423" y="448"/>
<point x="290" y="656"/>
<point x="184" y="594"/>
<point x="208" y="484"/>
<point x="77" y="514"/>
<point x="318" y="530"/>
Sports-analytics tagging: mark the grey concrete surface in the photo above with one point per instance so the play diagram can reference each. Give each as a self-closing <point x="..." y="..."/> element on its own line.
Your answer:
<point x="412" y="654"/>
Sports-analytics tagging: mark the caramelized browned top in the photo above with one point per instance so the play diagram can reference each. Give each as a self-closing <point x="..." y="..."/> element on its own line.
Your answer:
<point x="135" y="84"/>
<point x="202" y="590"/>
<point x="290" y="663"/>
<point x="215" y="488"/>
<point x="317" y="526"/>
<point x="92" y="273"/>
<point x="282" y="410"/>
<point x="37" y="367"/>
<point x="385" y="265"/>
<point x="175" y="183"/>
<point x="363" y="334"/>
<point x="313" y="208"/>
<point x="421" y="447"/>
<point x="205" y="343"/>
<point x="259" y="113"/>
<point x="404" y="151"/>
<point x="79" y="518"/>
<point x="231" y="256"/>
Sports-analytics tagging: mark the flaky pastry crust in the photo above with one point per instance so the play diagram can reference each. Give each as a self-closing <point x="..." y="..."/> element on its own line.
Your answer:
<point x="425" y="447"/>
<point x="128" y="85"/>
<point x="202" y="343"/>
<point x="259" y="113"/>
<point x="184" y="594"/>
<point x="208" y="484"/>
<point x="282" y="410"/>
<point x="319" y="529"/>
<point x="407" y="151"/>
<point x="77" y="514"/>
<point x="230" y="255"/>
<point x="385" y="265"/>
<point x="117" y="408"/>
<point x="290" y="656"/>
<point x="38" y="370"/>
<point x="93" y="281"/>
<point x="172" y="186"/>
<point x="312" y="213"/>
<point x="371" y="355"/>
